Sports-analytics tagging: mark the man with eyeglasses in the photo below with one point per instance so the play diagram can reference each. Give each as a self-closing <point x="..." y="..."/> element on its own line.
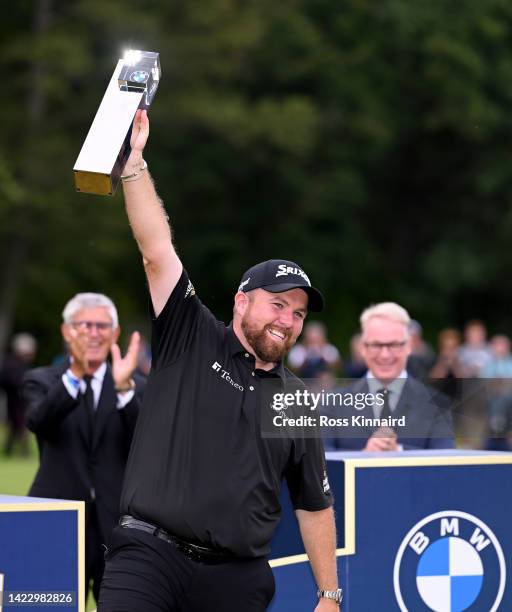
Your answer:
<point x="398" y="412"/>
<point x="83" y="413"/>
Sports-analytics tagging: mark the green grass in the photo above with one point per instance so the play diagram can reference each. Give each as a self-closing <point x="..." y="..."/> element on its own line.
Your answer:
<point x="16" y="472"/>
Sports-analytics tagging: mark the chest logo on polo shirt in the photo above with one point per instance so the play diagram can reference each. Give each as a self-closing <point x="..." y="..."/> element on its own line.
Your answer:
<point x="225" y="375"/>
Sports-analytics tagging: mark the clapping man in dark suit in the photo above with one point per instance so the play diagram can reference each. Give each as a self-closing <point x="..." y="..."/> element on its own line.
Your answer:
<point x="419" y="416"/>
<point x="83" y="413"/>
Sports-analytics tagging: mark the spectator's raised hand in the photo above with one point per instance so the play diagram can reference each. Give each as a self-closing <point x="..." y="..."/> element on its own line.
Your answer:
<point x="123" y="367"/>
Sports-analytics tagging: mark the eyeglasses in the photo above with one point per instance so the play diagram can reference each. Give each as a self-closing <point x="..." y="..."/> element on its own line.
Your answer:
<point x="100" y="326"/>
<point x="393" y="347"/>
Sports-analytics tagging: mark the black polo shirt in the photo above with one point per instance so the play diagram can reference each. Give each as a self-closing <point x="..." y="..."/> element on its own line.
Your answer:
<point x="198" y="465"/>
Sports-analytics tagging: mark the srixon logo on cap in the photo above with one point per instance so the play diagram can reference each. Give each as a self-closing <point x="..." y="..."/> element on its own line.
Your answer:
<point x="284" y="270"/>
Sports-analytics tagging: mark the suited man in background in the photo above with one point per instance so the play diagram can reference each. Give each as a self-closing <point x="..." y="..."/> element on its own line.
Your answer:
<point x="83" y="413"/>
<point x="427" y="422"/>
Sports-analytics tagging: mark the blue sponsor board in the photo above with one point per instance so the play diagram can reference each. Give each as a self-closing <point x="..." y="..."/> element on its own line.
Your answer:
<point x="419" y="531"/>
<point x="41" y="554"/>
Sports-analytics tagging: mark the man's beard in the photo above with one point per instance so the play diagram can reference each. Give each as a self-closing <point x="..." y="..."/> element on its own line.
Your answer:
<point x="264" y="348"/>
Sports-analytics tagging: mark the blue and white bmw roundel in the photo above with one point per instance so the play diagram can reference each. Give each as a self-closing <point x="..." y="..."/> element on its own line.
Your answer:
<point x="449" y="562"/>
<point x="139" y="76"/>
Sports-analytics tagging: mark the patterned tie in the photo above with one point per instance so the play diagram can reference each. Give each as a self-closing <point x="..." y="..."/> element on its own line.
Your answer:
<point x="385" y="413"/>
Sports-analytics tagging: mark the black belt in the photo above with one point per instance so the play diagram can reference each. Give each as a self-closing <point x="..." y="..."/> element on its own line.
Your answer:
<point x="200" y="554"/>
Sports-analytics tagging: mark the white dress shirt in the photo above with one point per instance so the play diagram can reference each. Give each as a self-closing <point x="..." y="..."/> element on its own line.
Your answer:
<point x="75" y="385"/>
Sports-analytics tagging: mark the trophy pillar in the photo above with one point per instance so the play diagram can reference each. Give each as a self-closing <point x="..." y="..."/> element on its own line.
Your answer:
<point x="107" y="145"/>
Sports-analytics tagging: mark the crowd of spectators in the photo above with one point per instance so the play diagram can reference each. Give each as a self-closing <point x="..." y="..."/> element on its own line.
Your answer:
<point x="472" y="369"/>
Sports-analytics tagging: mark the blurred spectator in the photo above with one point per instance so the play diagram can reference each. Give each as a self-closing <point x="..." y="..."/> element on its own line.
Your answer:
<point x="324" y="379"/>
<point x="422" y="357"/>
<point x="144" y="358"/>
<point x="497" y="374"/>
<point x="17" y="362"/>
<point x="474" y="354"/>
<point x="499" y="413"/>
<point x="447" y="369"/>
<point x="309" y="357"/>
<point x="473" y="408"/>
<point x="500" y="363"/>
<point x="355" y="367"/>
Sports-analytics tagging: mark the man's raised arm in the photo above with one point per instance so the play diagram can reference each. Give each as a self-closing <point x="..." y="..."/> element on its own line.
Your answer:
<point x="149" y="221"/>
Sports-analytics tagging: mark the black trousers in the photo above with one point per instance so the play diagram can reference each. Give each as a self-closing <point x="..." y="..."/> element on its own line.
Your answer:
<point x="146" y="574"/>
<point x="94" y="551"/>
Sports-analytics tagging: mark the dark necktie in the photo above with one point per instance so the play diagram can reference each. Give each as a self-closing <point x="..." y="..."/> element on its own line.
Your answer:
<point x="88" y="399"/>
<point x="385" y="413"/>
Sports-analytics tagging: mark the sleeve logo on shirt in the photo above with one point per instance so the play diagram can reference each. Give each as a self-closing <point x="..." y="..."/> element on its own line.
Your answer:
<point x="190" y="290"/>
<point x="325" y="484"/>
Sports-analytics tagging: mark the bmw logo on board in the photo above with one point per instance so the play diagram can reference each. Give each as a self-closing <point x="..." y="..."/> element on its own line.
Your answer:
<point x="449" y="562"/>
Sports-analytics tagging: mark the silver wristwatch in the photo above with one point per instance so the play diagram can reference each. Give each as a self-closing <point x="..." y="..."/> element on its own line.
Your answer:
<point x="336" y="595"/>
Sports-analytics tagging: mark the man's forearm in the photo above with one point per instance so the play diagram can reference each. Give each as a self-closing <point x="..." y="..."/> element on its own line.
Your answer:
<point x="318" y="533"/>
<point x="146" y="213"/>
<point x="153" y="235"/>
<point x="147" y="216"/>
<point x="148" y="220"/>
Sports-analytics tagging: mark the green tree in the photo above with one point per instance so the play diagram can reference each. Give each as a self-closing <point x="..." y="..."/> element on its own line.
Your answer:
<point x="368" y="141"/>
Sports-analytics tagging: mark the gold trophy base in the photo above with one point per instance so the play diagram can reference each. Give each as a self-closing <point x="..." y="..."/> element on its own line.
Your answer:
<point x="93" y="182"/>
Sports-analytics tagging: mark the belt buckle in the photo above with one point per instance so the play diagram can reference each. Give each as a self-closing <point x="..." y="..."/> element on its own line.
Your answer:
<point x="193" y="553"/>
<point x="163" y="535"/>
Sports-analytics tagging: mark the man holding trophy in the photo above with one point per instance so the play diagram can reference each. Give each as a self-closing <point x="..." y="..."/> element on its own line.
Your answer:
<point x="200" y="499"/>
